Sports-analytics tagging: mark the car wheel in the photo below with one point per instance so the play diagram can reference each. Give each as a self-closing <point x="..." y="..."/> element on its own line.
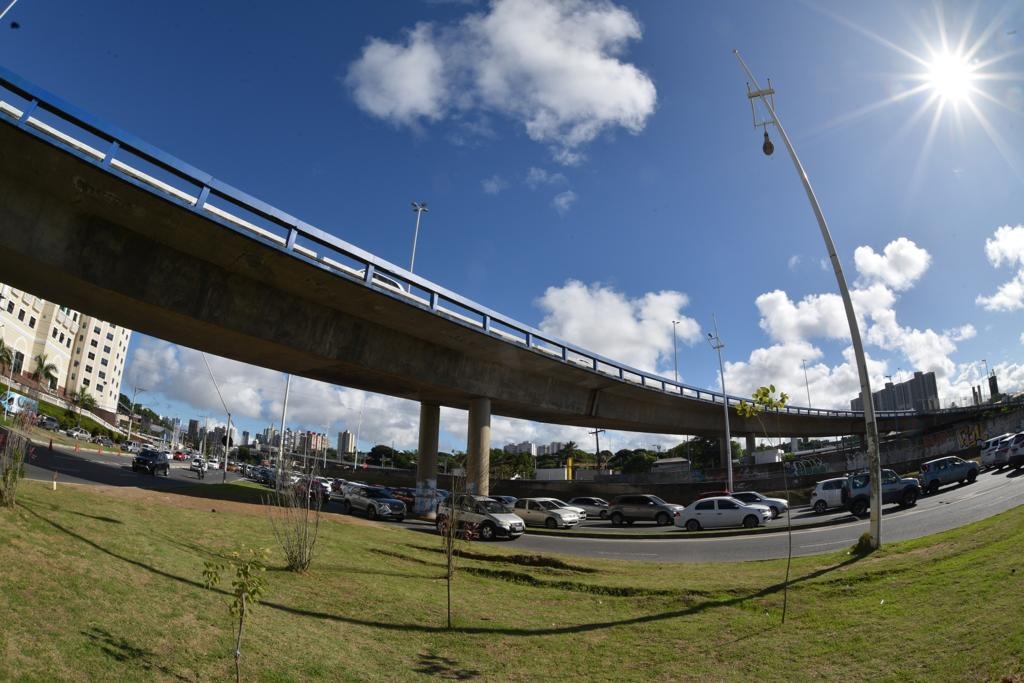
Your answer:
<point x="910" y="498"/>
<point x="859" y="507"/>
<point x="371" y="512"/>
<point x="749" y="522"/>
<point x="821" y="507"/>
<point x="933" y="486"/>
<point x="604" y="514"/>
<point x="617" y="518"/>
<point x="487" y="532"/>
<point x="775" y="512"/>
<point x="663" y="519"/>
<point x="971" y="476"/>
<point x="551" y="523"/>
<point x="692" y="525"/>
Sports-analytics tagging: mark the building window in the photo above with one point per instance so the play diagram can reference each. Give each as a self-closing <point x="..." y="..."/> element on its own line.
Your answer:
<point x="68" y="344"/>
<point x="104" y="361"/>
<point x="92" y="356"/>
<point x="21" y="314"/>
<point x="106" y="349"/>
<point x="85" y="382"/>
<point x="61" y="337"/>
<point x="94" y="344"/>
<point x="10" y="307"/>
<point x="53" y="333"/>
<point x="99" y="388"/>
<point x="72" y="377"/>
<point x="110" y="336"/>
<point x="102" y="375"/>
<point x="95" y="330"/>
<point x="88" y="368"/>
<point x="32" y="322"/>
<point x="76" y="363"/>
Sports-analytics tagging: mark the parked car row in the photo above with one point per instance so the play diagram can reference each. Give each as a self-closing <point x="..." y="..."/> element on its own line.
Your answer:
<point x="1005" y="450"/>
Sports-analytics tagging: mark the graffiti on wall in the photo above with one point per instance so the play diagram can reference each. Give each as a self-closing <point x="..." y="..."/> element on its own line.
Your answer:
<point x="805" y="466"/>
<point x="971" y="435"/>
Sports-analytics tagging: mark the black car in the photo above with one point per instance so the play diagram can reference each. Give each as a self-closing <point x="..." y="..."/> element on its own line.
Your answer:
<point x="152" y="462"/>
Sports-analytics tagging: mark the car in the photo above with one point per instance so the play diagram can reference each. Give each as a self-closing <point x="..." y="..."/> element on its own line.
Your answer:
<point x="104" y="441"/>
<point x="152" y="462"/>
<point x="47" y="422"/>
<point x="827" y="493"/>
<point x="776" y="505"/>
<point x="198" y="465"/>
<point x="575" y="508"/>
<point x="642" y="507"/>
<point x="714" y="494"/>
<point x="77" y="433"/>
<point x="546" y="512"/>
<point x="507" y="501"/>
<point x="948" y="470"/>
<point x="995" y="452"/>
<point x="213" y="464"/>
<point x="722" y="511"/>
<point x="904" y="491"/>
<point x="1015" y="459"/>
<point x="376" y="502"/>
<point x="491" y="519"/>
<point x="594" y="507"/>
<point x="131" y="447"/>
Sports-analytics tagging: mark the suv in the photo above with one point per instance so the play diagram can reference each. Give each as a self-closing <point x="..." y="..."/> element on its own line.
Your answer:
<point x="47" y="422"/>
<point x="1015" y="458"/>
<point x="941" y="471"/>
<point x="152" y="462"/>
<point x="827" y="493"/>
<point x="995" y="451"/>
<point x="644" y="507"/>
<point x="492" y="519"/>
<point x="78" y="433"/>
<point x="376" y="501"/>
<point x="857" y="491"/>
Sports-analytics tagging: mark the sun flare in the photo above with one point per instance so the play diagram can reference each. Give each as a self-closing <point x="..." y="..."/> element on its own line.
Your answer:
<point x="951" y="77"/>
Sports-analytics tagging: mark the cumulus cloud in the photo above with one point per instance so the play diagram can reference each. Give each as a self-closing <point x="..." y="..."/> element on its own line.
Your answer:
<point x="1006" y="247"/>
<point x="563" y="201"/>
<point x="535" y="177"/>
<point x="899" y="265"/>
<point x="636" y="332"/>
<point x="401" y="82"/>
<point x="494" y="185"/>
<point x="793" y="261"/>
<point x="553" y="66"/>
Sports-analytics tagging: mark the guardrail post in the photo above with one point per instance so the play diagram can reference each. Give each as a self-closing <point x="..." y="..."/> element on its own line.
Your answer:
<point x="292" y="236"/>
<point x="29" y="110"/>
<point x="111" y="151"/>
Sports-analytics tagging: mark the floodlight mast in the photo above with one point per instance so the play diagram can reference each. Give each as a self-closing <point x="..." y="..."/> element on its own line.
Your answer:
<point x="870" y="425"/>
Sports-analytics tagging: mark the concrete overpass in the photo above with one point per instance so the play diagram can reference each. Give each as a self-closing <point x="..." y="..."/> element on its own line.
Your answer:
<point x="99" y="220"/>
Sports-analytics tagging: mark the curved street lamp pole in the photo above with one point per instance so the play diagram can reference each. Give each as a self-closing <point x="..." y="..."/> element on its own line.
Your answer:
<point x="419" y="208"/>
<point x="870" y="426"/>
<point x="717" y="345"/>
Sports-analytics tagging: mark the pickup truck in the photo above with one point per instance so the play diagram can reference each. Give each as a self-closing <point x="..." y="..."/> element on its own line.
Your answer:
<point x="856" y="496"/>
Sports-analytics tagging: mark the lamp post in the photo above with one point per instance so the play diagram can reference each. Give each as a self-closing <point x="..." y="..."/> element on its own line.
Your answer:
<point x="136" y="390"/>
<point x="986" y="376"/>
<point x="420" y="208"/>
<point x="766" y="98"/>
<point x="675" y="351"/>
<point x="717" y="345"/>
<point x="597" y="445"/>
<point x="807" y="384"/>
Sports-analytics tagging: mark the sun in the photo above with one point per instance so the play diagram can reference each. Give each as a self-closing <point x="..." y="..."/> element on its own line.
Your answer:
<point x="951" y="77"/>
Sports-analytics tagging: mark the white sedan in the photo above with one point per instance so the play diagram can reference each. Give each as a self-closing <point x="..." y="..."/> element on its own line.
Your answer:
<point x="545" y="512"/>
<point x="722" y="511"/>
<point x="777" y="505"/>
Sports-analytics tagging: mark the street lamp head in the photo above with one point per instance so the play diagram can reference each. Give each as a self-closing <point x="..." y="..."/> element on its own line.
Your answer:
<point x="419" y="206"/>
<point x="768" y="148"/>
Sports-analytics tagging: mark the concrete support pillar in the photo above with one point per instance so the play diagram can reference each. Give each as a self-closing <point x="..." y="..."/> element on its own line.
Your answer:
<point x="426" y="466"/>
<point x="478" y="447"/>
<point x="751" y="445"/>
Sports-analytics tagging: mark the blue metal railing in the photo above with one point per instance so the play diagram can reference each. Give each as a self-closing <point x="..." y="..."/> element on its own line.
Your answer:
<point x="143" y="165"/>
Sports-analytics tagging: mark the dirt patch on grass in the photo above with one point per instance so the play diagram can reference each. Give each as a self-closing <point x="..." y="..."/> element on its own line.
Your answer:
<point x="521" y="560"/>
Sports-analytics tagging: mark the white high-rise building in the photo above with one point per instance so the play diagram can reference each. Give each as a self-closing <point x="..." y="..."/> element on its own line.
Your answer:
<point x="346" y="443"/>
<point x="87" y="353"/>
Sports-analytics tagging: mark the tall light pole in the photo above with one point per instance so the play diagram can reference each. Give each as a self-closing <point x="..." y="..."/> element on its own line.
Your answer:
<point x="766" y="98"/>
<point x="136" y="390"/>
<point x="420" y="208"/>
<point x="227" y="434"/>
<point x="807" y="384"/>
<point x="675" y="351"/>
<point x="986" y="376"/>
<point x="597" y="445"/>
<point x="717" y="345"/>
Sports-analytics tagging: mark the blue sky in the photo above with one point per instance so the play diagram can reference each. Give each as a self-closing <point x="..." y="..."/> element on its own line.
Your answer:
<point x="592" y="169"/>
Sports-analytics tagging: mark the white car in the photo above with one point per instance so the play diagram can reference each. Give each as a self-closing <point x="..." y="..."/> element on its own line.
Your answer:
<point x="776" y="505"/>
<point x="77" y="433"/>
<point x="722" y="511"/>
<point x="546" y="512"/>
<point x="827" y="493"/>
<point x="578" y="509"/>
<point x="594" y="507"/>
<point x="995" y="452"/>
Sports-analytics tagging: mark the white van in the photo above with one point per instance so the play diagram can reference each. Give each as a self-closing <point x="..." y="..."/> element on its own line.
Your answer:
<point x="995" y="452"/>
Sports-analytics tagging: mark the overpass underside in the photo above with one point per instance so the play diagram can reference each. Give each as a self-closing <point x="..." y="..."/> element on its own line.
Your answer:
<point x="75" y="233"/>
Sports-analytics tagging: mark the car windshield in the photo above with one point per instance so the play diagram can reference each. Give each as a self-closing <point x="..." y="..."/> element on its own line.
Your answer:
<point x="491" y="506"/>
<point x="657" y="500"/>
<point x="548" y="504"/>
<point x="378" y="493"/>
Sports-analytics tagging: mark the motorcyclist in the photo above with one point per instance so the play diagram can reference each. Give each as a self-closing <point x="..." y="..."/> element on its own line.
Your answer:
<point x="203" y="466"/>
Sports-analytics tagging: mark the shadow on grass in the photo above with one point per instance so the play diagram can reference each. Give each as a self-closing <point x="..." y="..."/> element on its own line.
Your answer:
<point x="472" y="630"/>
<point x="122" y="650"/>
<point x="108" y="520"/>
<point x="443" y="667"/>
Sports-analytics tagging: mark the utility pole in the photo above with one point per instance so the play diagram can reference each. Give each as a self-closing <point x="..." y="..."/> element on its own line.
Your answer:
<point x="597" y="445"/>
<point x="675" y="351"/>
<point x="131" y="411"/>
<point x="767" y="99"/>
<point x="280" y="449"/>
<point x="806" y="384"/>
<point x="420" y="208"/>
<point x="717" y="345"/>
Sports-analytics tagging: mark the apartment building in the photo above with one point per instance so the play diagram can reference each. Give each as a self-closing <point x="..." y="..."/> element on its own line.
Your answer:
<point x="87" y="353"/>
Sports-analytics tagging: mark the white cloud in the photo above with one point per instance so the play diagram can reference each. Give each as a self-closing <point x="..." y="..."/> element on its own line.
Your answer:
<point x="1006" y="246"/>
<point x="637" y="332"/>
<point x="535" y="177"/>
<point x="400" y="83"/>
<point x="551" y="65"/>
<point x="793" y="261"/>
<point x="817" y="315"/>
<point x="899" y="265"/>
<point x="563" y="201"/>
<point x="1022" y="337"/>
<point x="494" y="185"/>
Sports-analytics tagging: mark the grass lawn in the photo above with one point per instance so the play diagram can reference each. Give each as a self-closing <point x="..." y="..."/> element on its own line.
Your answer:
<point x="106" y="584"/>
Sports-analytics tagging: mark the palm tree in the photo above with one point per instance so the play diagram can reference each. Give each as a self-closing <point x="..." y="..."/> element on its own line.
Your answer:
<point x="44" y="370"/>
<point x="82" y="400"/>
<point x="568" y="451"/>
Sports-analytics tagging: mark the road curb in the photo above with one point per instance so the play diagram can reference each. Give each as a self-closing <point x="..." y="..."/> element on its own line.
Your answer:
<point x="671" y="534"/>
